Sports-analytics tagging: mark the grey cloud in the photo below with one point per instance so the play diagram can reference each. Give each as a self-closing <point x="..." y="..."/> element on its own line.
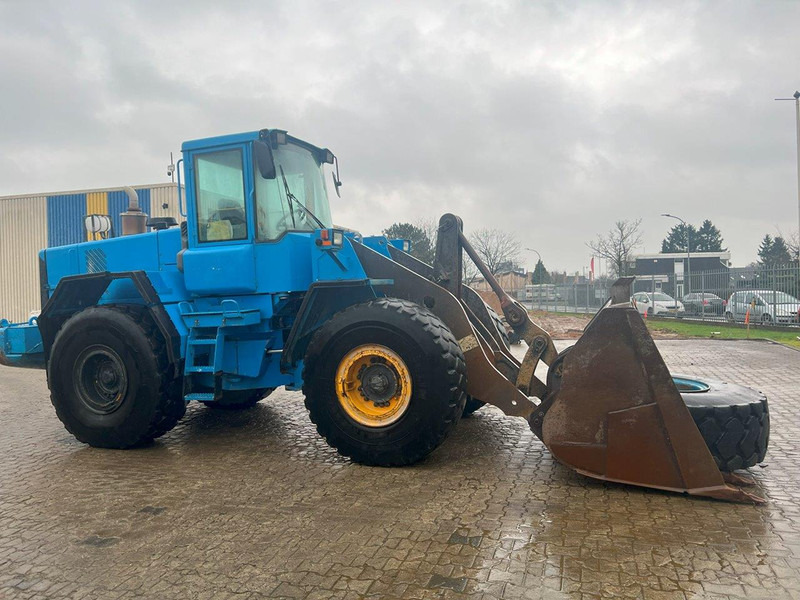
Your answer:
<point x="550" y="119"/>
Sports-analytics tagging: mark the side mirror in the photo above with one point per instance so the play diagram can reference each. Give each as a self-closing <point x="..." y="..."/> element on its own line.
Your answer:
<point x="263" y="157"/>
<point x="337" y="183"/>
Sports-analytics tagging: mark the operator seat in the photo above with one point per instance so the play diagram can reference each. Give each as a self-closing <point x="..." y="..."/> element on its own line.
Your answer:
<point x="231" y="212"/>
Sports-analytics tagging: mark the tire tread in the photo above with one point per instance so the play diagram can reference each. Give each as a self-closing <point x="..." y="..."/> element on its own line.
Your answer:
<point x="736" y="435"/>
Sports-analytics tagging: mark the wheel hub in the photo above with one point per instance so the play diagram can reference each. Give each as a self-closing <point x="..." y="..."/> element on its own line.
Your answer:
<point x="378" y="384"/>
<point x="100" y="379"/>
<point x="373" y="385"/>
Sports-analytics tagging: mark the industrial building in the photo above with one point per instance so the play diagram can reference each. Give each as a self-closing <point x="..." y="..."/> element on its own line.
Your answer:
<point x="31" y="222"/>
<point x="664" y="272"/>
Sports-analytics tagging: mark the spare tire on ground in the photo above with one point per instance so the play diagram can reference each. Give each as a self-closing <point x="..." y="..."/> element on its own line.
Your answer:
<point x="733" y="420"/>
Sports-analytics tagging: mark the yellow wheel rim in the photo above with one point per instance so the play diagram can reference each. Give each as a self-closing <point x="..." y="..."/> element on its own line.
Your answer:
<point x="373" y="385"/>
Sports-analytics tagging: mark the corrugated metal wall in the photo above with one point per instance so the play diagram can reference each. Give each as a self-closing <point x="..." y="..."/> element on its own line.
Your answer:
<point x="23" y="232"/>
<point x="65" y="219"/>
<point x="30" y="223"/>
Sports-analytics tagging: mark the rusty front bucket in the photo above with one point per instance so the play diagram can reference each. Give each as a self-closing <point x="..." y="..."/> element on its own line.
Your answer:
<point x="614" y="413"/>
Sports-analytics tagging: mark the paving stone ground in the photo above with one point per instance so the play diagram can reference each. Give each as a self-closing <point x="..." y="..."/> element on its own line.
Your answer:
<point x="254" y="504"/>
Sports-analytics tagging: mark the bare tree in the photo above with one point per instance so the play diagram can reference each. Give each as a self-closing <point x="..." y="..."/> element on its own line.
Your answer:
<point x="498" y="249"/>
<point x="618" y="244"/>
<point x="793" y="242"/>
<point x="430" y="226"/>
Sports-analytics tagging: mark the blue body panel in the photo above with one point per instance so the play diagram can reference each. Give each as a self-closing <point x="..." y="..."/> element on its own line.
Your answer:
<point x="233" y="303"/>
<point x="21" y="345"/>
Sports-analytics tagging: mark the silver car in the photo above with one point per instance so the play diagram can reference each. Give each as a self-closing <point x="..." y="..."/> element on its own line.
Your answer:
<point x="657" y="304"/>
<point x="766" y="306"/>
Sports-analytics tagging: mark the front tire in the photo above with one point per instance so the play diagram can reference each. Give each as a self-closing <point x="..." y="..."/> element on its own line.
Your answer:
<point x="110" y="379"/>
<point x="385" y="382"/>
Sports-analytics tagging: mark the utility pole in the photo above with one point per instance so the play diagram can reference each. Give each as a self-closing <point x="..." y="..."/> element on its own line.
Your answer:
<point x="688" y="254"/>
<point x="796" y="98"/>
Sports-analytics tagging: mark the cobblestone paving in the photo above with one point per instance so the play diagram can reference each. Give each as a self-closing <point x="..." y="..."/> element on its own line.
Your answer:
<point x="254" y="504"/>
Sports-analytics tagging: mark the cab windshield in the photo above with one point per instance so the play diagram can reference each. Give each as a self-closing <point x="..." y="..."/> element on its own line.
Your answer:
<point x="276" y="212"/>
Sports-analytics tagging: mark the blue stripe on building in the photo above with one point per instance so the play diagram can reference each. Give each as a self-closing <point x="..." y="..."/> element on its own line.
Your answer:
<point x="65" y="219"/>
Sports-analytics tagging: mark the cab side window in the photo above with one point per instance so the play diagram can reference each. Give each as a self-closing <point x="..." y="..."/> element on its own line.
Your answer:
<point x="219" y="185"/>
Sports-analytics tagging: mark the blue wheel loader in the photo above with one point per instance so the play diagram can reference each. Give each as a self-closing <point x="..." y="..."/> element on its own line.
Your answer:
<point x="258" y="289"/>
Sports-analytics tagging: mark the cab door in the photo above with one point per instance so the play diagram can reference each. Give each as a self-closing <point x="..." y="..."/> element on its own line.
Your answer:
<point x="220" y="258"/>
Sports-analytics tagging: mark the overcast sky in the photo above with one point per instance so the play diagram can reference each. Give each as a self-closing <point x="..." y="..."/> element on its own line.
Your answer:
<point x="551" y="119"/>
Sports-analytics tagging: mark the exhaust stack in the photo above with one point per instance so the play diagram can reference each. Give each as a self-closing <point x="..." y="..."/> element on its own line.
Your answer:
<point x="133" y="220"/>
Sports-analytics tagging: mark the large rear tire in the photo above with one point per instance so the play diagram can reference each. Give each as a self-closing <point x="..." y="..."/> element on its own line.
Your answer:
<point x="385" y="382"/>
<point x="110" y="380"/>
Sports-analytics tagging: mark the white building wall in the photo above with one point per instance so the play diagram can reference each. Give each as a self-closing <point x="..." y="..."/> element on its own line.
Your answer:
<point x="23" y="232"/>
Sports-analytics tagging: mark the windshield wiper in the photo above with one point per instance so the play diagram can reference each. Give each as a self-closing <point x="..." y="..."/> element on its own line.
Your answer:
<point x="293" y="199"/>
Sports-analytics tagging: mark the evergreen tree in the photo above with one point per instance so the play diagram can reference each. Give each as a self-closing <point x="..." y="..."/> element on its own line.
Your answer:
<point x="780" y="252"/>
<point x="421" y="247"/>
<point x="709" y="239"/>
<point x="774" y="252"/>
<point x="765" y="250"/>
<point x="676" y="239"/>
<point x="540" y="274"/>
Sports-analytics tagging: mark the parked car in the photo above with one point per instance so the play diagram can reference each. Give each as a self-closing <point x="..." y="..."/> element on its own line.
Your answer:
<point x="657" y="303"/>
<point x="769" y="307"/>
<point x="703" y="303"/>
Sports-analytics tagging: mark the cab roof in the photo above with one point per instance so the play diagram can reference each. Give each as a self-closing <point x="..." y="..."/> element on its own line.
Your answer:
<point x="239" y="138"/>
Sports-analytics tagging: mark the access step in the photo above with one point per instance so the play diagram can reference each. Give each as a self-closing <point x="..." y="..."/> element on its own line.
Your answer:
<point x="199" y="396"/>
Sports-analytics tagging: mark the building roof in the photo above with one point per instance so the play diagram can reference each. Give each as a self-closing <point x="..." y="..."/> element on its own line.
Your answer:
<point x="725" y="254"/>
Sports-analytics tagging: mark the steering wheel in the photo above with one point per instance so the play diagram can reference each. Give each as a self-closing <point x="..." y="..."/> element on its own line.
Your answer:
<point x="282" y="224"/>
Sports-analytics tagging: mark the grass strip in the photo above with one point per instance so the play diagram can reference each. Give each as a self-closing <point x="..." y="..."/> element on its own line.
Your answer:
<point x="725" y="332"/>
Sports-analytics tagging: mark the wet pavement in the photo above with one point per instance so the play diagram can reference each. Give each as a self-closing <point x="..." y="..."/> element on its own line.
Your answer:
<point x="254" y="504"/>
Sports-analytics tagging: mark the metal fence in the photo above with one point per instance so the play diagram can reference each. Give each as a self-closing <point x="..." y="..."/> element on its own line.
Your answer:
<point x="771" y="295"/>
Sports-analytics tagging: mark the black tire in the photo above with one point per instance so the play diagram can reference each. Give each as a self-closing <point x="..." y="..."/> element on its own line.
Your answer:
<point x="110" y="379"/>
<point x="649" y="311"/>
<point x="766" y="319"/>
<point x="434" y="361"/>
<point x="473" y="404"/>
<point x="500" y="326"/>
<point x="734" y="422"/>
<point x="239" y="399"/>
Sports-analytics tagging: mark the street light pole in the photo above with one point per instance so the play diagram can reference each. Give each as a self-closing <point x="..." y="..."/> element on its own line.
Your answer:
<point x="796" y="98"/>
<point x="537" y="254"/>
<point x="688" y="254"/>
